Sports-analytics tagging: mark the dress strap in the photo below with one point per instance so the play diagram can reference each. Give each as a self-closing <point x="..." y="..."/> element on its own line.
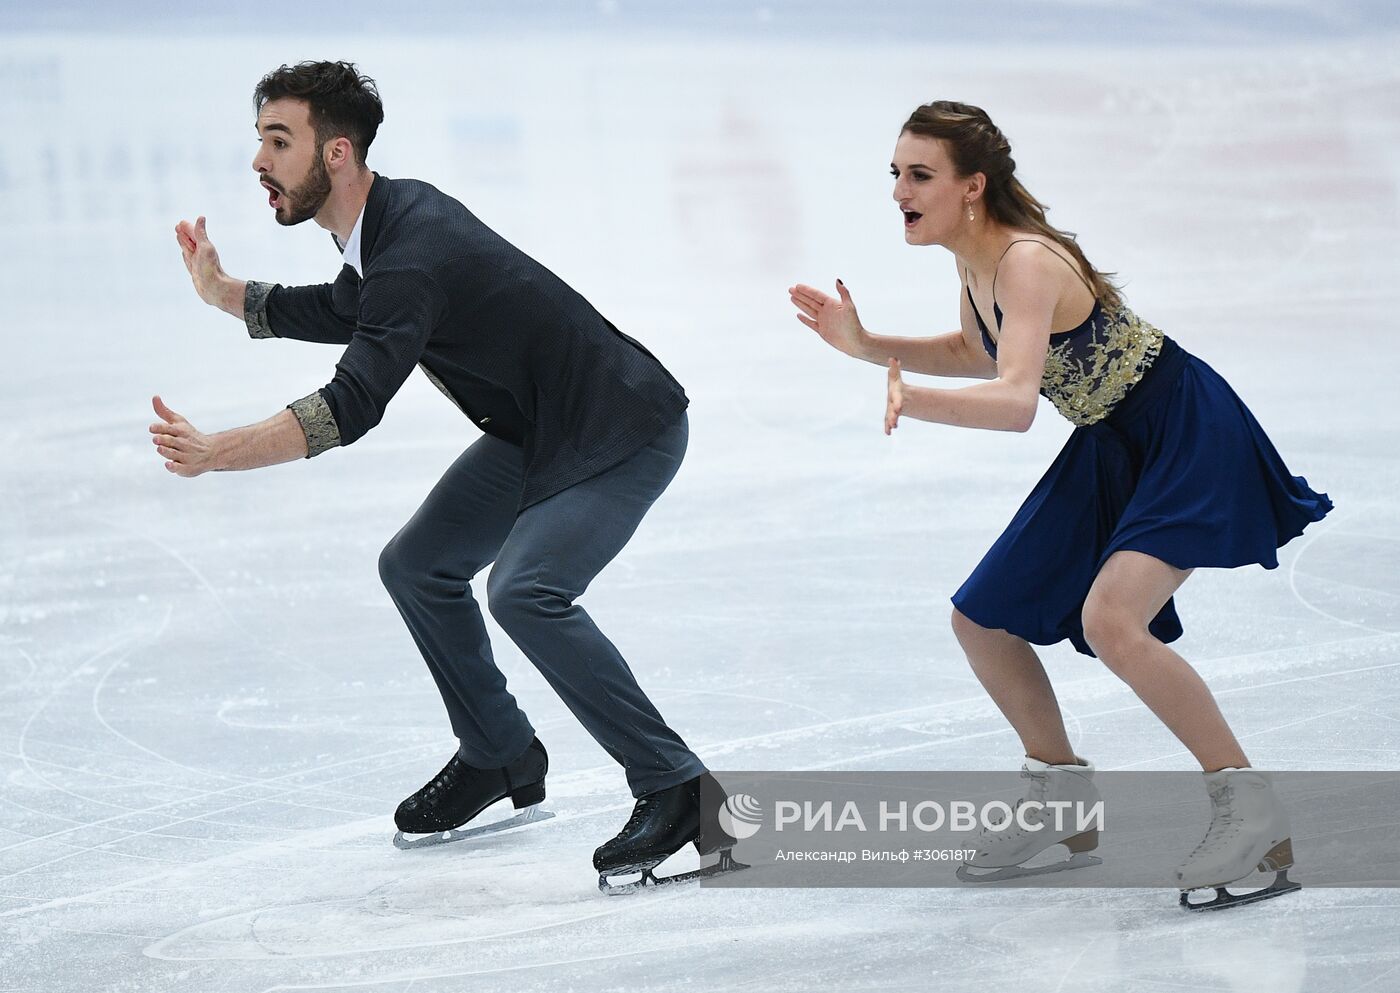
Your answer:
<point x="1035" y="241"/>
<point x="967" y="288"/>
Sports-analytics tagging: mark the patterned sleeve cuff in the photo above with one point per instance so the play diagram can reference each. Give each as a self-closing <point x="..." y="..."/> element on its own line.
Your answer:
<point x="255" y="309"/>
<point x="317" y="423"/>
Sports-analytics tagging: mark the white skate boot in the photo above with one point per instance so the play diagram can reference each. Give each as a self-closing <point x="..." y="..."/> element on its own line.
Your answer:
<point x="1248" y="831"/>
<point x="1003" y="853"/>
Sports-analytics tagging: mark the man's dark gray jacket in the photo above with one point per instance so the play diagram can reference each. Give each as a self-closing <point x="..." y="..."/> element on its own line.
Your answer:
<point x="524" y="356"/>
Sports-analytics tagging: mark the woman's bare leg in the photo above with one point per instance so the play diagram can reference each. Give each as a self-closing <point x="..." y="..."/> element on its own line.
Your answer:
<point x="1128" y="592"/>
<point x="1012" y="675"/>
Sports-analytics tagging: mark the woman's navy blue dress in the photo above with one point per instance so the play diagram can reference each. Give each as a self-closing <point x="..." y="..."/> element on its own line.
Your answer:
<point x="1165" y="459"/>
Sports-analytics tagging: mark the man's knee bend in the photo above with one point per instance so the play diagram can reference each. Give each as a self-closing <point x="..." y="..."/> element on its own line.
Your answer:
<point x="391" y="565"/>
<point x="404" y="566"/>
<point x="508" y="599"/>
<point x="513" y="600"/>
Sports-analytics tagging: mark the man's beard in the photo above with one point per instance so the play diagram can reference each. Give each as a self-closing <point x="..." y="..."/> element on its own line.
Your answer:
<point x="306" y="200"/>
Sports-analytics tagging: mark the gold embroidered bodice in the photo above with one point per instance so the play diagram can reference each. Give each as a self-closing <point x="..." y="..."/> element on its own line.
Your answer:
<point x="1090" y="369"/>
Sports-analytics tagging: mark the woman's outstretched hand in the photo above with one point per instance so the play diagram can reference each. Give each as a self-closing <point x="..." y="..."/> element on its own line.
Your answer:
<point x="894" y="397"/>
<point x="833" y="318"/>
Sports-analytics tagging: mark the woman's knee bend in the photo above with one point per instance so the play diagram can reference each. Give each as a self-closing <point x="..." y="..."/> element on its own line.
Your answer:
<point x="964" y="627"/>
<point x="969" y="633"/>
<point x="1115" y="634"/>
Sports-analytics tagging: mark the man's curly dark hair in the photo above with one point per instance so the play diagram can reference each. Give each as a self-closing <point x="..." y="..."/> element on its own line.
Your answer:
<point x="343" y="100"/>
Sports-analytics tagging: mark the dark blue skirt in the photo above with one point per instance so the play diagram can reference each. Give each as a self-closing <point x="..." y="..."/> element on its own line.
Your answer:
<point x="1180" y="471"/>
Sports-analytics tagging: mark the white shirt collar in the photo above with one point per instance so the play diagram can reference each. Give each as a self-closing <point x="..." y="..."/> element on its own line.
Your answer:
<point x="351" y="248"/>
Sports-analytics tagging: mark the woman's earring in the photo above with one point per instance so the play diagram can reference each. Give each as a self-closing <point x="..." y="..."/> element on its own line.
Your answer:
<point x="970" y="215"/>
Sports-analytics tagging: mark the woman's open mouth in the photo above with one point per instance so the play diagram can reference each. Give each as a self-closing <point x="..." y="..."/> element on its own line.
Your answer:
<point x="911" y="217"/>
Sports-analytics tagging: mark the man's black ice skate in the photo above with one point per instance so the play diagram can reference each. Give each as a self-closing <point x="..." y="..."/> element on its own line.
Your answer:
<point x="460" y="792"/>
<point x="662" y="823"/>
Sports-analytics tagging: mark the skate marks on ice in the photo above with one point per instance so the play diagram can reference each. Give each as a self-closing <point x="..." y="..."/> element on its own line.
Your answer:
<point x="884" y="944"/>
<point x="97" y="802"/>
<point x="426" y="909"/>
<point x="392" y="901"/>
<point x="66" y="731"/>
<point x="122" y="647"/>
<point x="803" y="733"/>
<point x="393" y="905"/>
<point x="270" y="934"/>
<point x="199" y="811"/>
<point x="799" y="733"/>
<point x="1337" y="554"/>
<point x="175" y="813"/>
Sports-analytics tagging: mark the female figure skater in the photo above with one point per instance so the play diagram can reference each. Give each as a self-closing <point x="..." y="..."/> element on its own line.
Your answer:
<point x="1166" y="471"/>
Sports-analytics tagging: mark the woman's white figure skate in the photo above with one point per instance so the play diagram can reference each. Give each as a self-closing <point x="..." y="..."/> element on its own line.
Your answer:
<point x="1005" y="852"/>
<point x="1248" y="831"/>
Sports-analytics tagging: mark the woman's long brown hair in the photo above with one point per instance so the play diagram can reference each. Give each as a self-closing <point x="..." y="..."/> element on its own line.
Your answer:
<point x="975" y="145"/>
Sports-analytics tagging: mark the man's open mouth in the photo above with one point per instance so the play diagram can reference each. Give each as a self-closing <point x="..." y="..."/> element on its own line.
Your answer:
<point x="274" y="195"/>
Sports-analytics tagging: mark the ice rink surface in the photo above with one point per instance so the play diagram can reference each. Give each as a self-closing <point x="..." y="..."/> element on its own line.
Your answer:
<point x="209" y="707"/>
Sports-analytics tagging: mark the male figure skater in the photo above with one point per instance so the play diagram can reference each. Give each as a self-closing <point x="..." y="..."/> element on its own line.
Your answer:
<point x="583" y="430"/>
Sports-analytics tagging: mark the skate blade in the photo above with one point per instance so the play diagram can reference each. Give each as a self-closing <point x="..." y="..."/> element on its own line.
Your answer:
<point x="970" y="874"/>
<point x="530" y="815"/>
<point x="1224" y="899"/>
<point x="650" y="880"/>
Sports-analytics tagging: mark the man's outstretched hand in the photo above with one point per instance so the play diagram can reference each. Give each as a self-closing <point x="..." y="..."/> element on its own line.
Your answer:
<point x="187" y="451"/>
<point x="214" y="286"/>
